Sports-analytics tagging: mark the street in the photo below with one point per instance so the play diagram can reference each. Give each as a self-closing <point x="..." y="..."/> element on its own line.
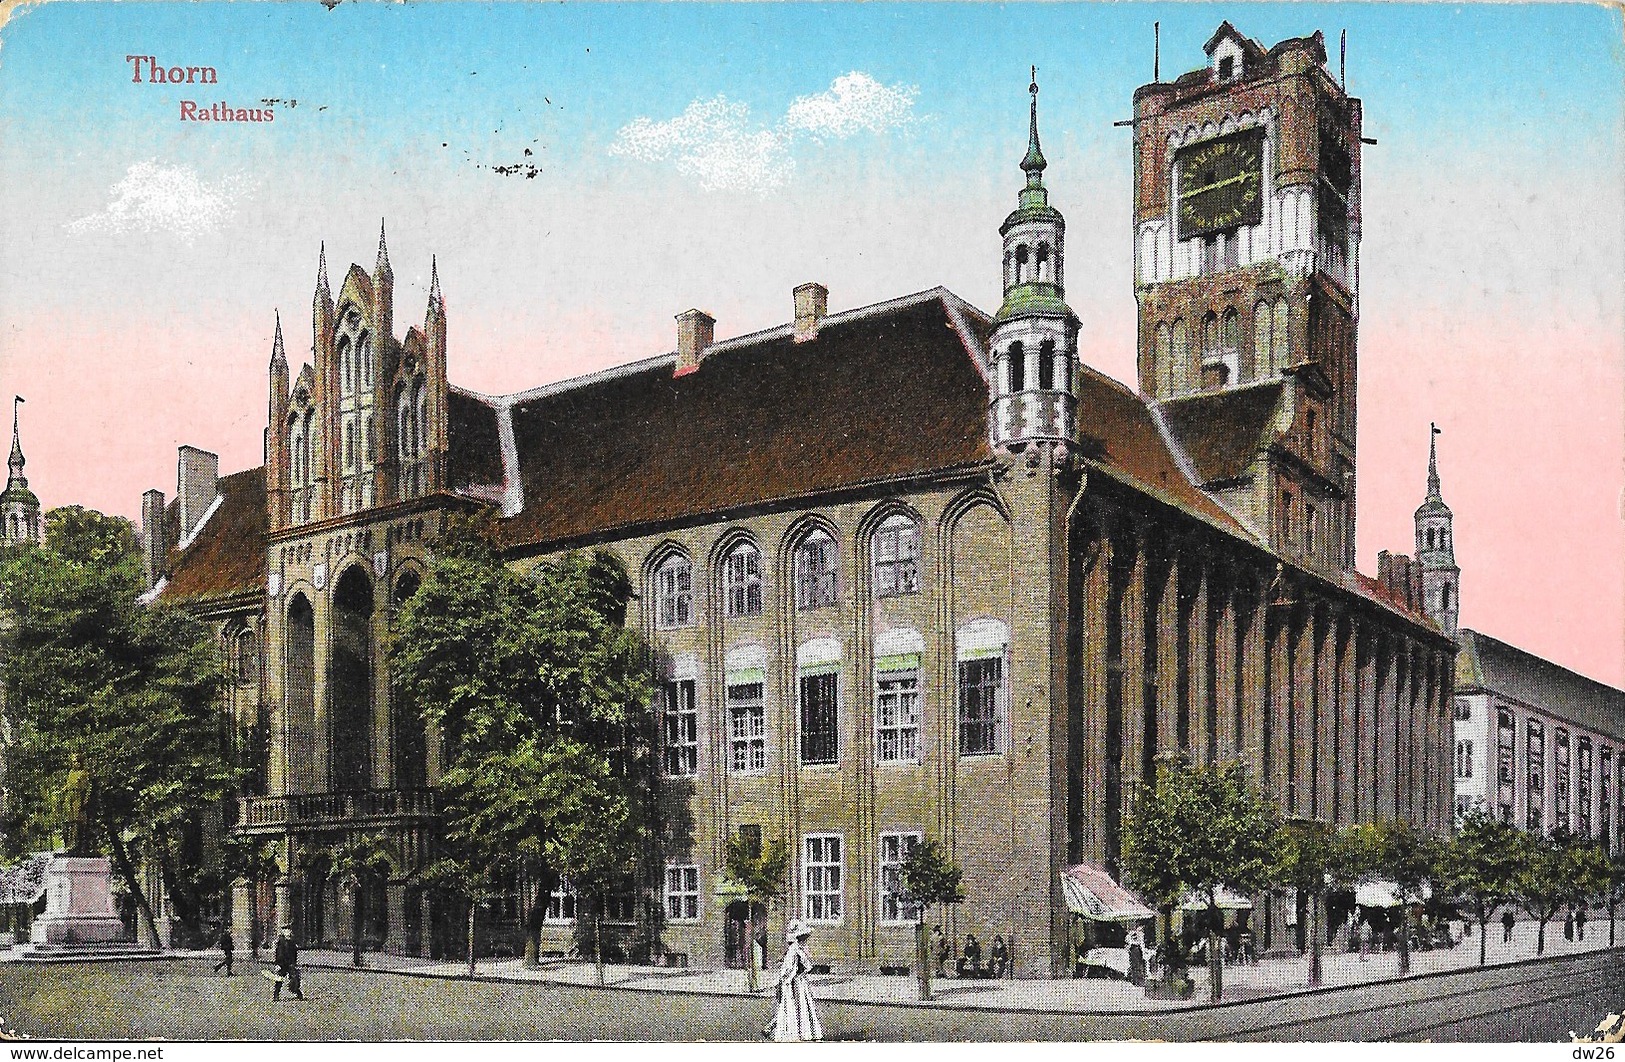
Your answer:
<point x="185" y="1000"/>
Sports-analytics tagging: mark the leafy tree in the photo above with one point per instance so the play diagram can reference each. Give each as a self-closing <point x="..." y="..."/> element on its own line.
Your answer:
<point x="254" y="860"/>
<point x="929" y="876"/>
<point x="1410" y="859"/>
<point x="1314" y="858"/>
<point x="1544" y="883"/>
<point x="759" y="871"/>
<point x="1614" y="890"/>
<point x="1590" y="870"/>
<point x="1201" y="828"/>
<point x="357" y="862"/>
<point x="542" y="697"/>
<point x="125" y="691"/>
<point x="1482" y="865"/>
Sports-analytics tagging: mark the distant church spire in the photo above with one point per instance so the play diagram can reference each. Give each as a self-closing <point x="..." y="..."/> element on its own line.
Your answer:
<point x="1433" y="464"/>
<point x="16" y="462"/>
<point x="382" y="265"/>
<point x="321" y="271"/>
<point x="436" y="302"/>
<point x="19" y="508"/>
<point x="277" y="353"/>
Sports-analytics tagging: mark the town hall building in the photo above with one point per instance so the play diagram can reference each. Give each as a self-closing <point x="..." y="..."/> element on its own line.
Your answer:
<point x="911" y="570"/>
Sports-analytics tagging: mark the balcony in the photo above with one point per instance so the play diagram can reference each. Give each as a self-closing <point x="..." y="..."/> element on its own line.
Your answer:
<point x="372" y="807"/>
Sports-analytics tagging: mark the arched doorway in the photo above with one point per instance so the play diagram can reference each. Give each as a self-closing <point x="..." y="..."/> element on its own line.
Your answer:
<point x="301" y="681"/>
<point x="349" y="683"/>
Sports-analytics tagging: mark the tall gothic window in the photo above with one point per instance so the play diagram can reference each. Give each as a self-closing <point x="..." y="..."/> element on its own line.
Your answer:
<point x="742" y="576"/>
<point x="674" y="593"/>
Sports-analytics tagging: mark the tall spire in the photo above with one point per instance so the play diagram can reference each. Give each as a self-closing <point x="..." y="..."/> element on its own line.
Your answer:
<point x="321" y="271"/>
<point x="1034" y="162"/>
<point x="1433" y="464"/>
<point x="382" y="265"/>
<point x="16" y="462"/>
<point x="277" y="353"/>
<point x="436" y="302"/>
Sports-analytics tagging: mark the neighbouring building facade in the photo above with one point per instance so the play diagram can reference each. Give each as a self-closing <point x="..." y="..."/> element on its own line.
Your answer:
<point x="910" y="570"/>
<point x="1536" y="744"/>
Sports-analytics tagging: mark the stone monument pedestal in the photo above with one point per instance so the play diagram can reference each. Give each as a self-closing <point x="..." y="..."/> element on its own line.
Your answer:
<point x="78" y="903"/>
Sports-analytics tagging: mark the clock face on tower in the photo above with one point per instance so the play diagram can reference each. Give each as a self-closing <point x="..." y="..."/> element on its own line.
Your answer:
<point x="1221" y="183"/>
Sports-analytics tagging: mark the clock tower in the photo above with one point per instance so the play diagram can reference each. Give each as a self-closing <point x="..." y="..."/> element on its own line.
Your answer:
<point x="1247" y="229"/>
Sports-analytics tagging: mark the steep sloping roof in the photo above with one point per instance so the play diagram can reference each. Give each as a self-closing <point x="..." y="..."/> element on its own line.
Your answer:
<point x="890" y="391"/>
<point x="474" y="438"/>
<point x="1128" y="443"/>
<point x="227" y="554"/>
<point x="1221" y="432"/>
<point x="1492" y="665"/>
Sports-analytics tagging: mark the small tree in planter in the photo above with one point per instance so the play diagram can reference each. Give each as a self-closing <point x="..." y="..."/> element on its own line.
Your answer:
<point x="1314" y="858"/>
<point x="1544" y="884"/>
<point x="758" y="872"/>
<point x="928" y="877"/>
<point x="1482" y="865"/>
<point x="1201" y="828"/>
<point x="356" y="862"/>
<point x="1409" y="858"/>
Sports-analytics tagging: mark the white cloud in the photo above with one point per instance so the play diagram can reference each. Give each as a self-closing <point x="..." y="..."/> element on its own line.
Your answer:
<point x="716" y="142"/>
<point x="151" y="197"/>
<point x="852" y="104"/>
<point x="712" y="140"/>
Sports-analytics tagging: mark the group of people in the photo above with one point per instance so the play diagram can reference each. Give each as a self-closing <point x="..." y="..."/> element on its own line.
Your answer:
<point x="969" y="962"/>
<point x="284" y="962"/>
<point x="1574" y="924"/>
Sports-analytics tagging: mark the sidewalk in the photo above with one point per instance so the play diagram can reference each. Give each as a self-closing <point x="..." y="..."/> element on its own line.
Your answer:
<point x="1269" y="977"/>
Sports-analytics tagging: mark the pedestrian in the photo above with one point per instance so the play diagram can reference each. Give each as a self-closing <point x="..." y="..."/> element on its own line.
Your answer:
<point x="1508" y="919"/>
<point x="1000" y="957"/>
<point x="944" y="950"/>
<point x="227" y="947"/>
<point x="1580" y="922"/>
<point x="286" y="960"/>
<point x="1136" y="957"/>
<point x="973" y="955"/>
<point x="795" y="1016"/>
<point x="1365" y="932"/>
<point x="1568" y="924"/>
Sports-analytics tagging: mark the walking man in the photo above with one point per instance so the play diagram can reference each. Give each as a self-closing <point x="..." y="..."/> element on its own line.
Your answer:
<point x="1507" y="920"/>
<point x="286" y="960"/>
<point x="227" y="947"/>
<point x="1580" y="922"/>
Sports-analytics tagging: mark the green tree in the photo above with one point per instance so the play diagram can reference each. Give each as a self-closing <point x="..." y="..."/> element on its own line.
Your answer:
<point x="758" y="872"/>
<point x="357" y="863"/>
<point x="1201" y="828"/>
<point x="1590" y="871"/>
<point x="253" y="860"/>
<point x="1614" y="891"/>
<point x="1314" y="858"/>
<point x="1410" y="859"/>
<point x="1483" y="865"/>
<point x="542" y="697"/>
<point x="125" y="690"/>
<point x="929" y="877"/>
<point x="1543" y="884"/>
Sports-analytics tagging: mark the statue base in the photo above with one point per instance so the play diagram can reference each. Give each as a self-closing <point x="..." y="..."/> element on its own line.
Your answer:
<point x="78" y="903"/>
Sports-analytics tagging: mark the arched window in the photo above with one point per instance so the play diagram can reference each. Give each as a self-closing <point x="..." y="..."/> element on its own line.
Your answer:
<point x="346" y="369"/>
<point x="1229" y="332"/>
<point x="1210" y="334"/>
<point x="1017" y="360"/>
<point x="1281" y="354"/>
<point x="1444" y="596"/>
<point x="1181" y="352"/>
<point x="742" y="577"/>
<point x="896" y="551"/>
<point x="364" y="358"/>
<point x="1046" y="365"/>
<point x="349" y="445"/>
<point x="1042" y="272"/>
<point x="1021" y="264"/>
<point x="1263" y="343"/>
<point x="247" y="652"/>
<point x="816" y="572"/>
<point x="420" y="418"/>
<point x="674" y="593"/>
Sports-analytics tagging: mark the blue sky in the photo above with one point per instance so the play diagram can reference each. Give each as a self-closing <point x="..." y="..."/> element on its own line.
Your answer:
<point x="717" y="155"/>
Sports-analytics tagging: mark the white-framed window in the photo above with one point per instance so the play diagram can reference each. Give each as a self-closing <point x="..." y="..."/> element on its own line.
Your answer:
<point x="820" y="715"/>
<point x="981" y="696"/>
<point x="561" y="902"/>
<point x="1464" y="759"/>
<point x="816" y="571"/>
<point x="682" y="893"/>
<point x="743" y="576"/>
<point x="897" y="557"/>
<point x="747" y="728"/>
<point x="824" y="877"/>
<point x="680" y="725"/>
<point x="897" y="716"/>
<point x="895" y="849"/>
<point x="674" y="593"/>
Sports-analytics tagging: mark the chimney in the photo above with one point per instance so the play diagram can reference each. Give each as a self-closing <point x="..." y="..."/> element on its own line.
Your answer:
<point x="812" y="306"/>
<point x="1385" y="569"/>
<point x="197" y="480"/>
<point x="154" y="540"/>
<point x="695" y="331"/>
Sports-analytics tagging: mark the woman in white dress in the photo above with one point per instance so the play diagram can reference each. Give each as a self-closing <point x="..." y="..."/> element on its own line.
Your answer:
<point x="795" y="1016"/>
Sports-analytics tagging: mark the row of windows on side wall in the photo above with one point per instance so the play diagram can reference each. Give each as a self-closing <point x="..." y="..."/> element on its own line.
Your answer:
<point x="823" y="881"/>
<point x="981" y="719"/>
<point x="895" y="564"/>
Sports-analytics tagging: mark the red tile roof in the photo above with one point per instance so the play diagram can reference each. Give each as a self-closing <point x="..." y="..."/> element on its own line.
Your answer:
<point x="1222" y="432"/>
<point x="227" y="556"/>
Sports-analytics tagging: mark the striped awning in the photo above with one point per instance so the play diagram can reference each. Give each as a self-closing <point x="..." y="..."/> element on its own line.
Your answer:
<point x="1091" y="893"/>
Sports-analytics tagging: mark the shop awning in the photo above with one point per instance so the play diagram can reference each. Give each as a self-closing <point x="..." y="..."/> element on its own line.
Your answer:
<point x="1380" y="892"/>
<point x="1228" y="901"/>
<point x="1091" y="893"/>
